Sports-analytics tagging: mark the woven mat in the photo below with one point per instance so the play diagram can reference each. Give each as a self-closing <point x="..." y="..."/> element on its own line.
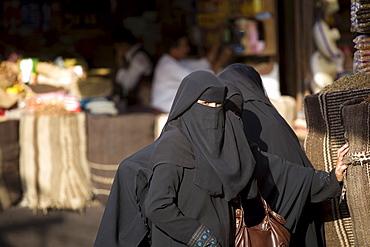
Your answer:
<point x="325" y="134"/>
<point x="53" y="162"/>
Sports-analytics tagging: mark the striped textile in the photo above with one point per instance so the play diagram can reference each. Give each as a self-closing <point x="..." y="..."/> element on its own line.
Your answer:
<point x="356" y="117"/>
<point x="54" y="168"/>
<point x="325" y="134"/>
<point x="111" y="139"/>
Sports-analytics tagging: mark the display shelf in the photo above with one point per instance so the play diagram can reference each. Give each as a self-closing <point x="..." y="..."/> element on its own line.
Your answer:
<point x="250" y="25"/>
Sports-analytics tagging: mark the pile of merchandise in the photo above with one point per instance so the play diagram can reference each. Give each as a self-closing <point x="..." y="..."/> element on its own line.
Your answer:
<point x="360" y="23"/>
<point x="46" y="91"/>
<point x="360" y="15"/>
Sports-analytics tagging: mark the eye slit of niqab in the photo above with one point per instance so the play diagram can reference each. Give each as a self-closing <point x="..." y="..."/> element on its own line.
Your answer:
<point x="210" y="104"/>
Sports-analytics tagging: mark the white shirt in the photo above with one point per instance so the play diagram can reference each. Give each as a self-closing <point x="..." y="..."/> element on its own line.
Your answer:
<point x="271" y="82"/>
<point x="168" y="75"/>
<point x="140" y="64"/>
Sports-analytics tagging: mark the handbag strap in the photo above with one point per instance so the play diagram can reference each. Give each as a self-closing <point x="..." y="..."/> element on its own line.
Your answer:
<point x="271" y="212"/>
<point x="268" y="210"/>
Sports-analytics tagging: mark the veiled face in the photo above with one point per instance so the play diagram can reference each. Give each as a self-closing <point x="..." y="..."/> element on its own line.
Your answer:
<point x="210" y="104"/>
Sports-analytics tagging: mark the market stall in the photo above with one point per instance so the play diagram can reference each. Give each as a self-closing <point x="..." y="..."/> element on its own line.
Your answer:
<point x="53" y="169"/>
<point x="70" y="137"/>
<point x="43" y="117"/>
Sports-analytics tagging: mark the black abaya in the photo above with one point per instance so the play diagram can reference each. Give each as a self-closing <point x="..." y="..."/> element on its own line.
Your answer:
<point x="123" y="223"/>
<point x="191" y="193"/>
<point x="264" y="126"/>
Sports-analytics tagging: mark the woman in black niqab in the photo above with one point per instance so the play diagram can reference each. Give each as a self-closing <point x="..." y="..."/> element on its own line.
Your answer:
<point x="215" y="136"/>
<point x="264" y="126"/>
<point x="201" y="161"/>
<point x="124" y="222"/>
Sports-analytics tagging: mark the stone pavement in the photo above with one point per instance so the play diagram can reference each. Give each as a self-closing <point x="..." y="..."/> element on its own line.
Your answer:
<point x="20" y="226"/>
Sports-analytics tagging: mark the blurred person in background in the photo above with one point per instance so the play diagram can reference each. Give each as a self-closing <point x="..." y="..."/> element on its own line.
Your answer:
<point x="133" y="64"/>
<point x="175" y="64"/>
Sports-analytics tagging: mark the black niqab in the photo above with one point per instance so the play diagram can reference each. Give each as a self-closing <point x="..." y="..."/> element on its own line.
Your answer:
<point x="222" y="158"/>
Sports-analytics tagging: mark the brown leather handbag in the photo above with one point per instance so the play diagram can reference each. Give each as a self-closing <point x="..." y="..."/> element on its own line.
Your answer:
<point x="269" y="233"/>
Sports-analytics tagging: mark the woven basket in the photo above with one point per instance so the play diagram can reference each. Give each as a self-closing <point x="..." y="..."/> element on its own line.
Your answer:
<point x="111" y="139"/>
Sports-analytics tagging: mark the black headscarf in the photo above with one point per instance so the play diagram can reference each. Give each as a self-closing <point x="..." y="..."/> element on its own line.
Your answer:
<point x="206" y="138"/>
<point x="262" y="122"/>
<point x="264" y="126"/>
<point x="234" y="100"/>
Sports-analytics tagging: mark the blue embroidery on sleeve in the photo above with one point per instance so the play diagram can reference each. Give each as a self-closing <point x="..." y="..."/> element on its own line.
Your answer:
<point x="205" y="238"/>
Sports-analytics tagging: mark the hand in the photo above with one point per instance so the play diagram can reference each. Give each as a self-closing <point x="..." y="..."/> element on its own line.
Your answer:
<point x="341" y="167"/>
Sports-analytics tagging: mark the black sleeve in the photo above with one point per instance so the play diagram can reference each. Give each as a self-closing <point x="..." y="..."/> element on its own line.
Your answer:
<point x="324" y="186"/>
<point x="161" y="207"/>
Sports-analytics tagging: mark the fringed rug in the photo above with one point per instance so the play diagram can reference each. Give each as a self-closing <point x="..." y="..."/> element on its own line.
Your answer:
<point x="112" y="139"/>
<point x="10" y="184"/>
<point x="325" y="136"/>
<point x="53" y="162"/>
<point x="356" y="117"/>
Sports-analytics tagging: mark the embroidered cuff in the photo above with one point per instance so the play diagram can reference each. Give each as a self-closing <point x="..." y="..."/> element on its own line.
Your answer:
<point x="203" y="237"/>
